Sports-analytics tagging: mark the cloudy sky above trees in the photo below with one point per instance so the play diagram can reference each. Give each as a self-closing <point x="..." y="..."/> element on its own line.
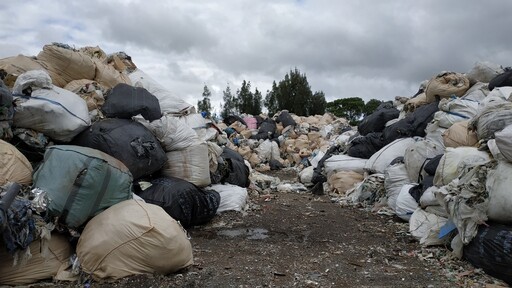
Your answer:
<point x="366" y="49"/>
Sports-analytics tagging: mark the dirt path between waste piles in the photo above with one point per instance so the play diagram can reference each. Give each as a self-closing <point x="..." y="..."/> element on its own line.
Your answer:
<point x="303" y="240"/>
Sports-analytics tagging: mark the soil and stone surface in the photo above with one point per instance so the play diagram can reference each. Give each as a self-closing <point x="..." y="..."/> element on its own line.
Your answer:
<point x="304" y="240"/>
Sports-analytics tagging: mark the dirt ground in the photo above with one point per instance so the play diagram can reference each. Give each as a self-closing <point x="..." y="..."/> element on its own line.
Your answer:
<point x="303" y="240"/>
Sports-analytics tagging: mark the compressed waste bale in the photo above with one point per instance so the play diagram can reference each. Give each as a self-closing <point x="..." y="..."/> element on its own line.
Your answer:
<point x="501" y="80"/>
<point x="173" y="133"/>
<point x="237" y="173"/>
<point x="14" y="166"/>
<point x="365" y="146"/>
<point x="89" y="90"/>
<point x="484" y="71"/>
<point x="285" y="119"/>
<point x="128" y="141"/>
<point x="380" y="160"/>
<point x="182" y="200"/>
<point x="413" y="124"/>
<point x="125" y="101"/>
<point x="232" y="197"/>
<point x="191" y="164"/>
<point x="417" y="155"/>
<point x="45" y="262"/>
<point x="267" y="130"/>
<point x="376" y="121"/>
<point x="445" y="85"/>
<point x="341" y="182"/>
<point x="455" y="160"/>
<point x="459" y="134"/>
<point x="169" y="103"/>
<point x="65" y="64"/>
<point x="493" y="117"/>
<point x="80" y="182"/>
<point x="13" y="67"/>
<point x="147" y="241"/>
<point x="53" y="111"/>
<point x="490" y="250"/>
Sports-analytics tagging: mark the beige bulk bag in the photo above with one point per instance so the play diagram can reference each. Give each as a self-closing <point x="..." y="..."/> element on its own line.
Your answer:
<point x="498" y="185"/>
<point x="279" y="128"/>
<point x="254" y="159"/>
<point x="341" y="182"/>
<point x="417" y="155"/>
<point x="47" y="265"/>
<point x="327" y="118"/>
<point x="459" y="135"/>
<point x="17" y="65"/>
<point x="108" y="76"/>
<point x="454" y="161"/>
<point x="445" y="85"/>
<point x="65" y="64"/>
<point x="415" y="102"/>
<point x="147" y="241"/>
<point x="89" y="90"/>
<point x="14" y="166"/>
<point x="189" y="164"/>
<point x="246" y="134"/>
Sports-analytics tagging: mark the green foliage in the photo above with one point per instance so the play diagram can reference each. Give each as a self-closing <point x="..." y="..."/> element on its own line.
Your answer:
<point x="205" y="105"/>
<point x="230" y="103"/>
<point x="318" y="104"/>
<point x="293" y="93"/>
<point x="270" y="101"/>
<point x="257" y="100"/>
<point x="349" y="108"/>
<point x="245" y="97"/>
<point x="370" y="106"/>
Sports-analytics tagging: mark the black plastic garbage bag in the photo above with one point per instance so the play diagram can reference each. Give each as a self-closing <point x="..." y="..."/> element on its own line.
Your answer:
<point x="128" y="141"/>
<point x="182" y="200"/>
<point x="125" y="101"/>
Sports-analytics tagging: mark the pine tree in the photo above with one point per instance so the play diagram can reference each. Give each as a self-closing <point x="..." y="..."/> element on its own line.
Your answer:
<point x="245" y="98"/>
<point x="256" y="106"/>
<point x="229" y="106"/>
<point x="270" y="101"/>
<point x="204" y="105"/>
<point x="318" y="103"/>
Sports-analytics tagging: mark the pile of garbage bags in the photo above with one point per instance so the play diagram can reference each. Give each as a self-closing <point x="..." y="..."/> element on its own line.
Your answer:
<point x="100" y="148"/>
<point x="441" y="161"/>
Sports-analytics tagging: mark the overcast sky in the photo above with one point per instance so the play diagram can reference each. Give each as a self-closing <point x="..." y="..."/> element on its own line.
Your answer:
<point x="367" y="49"/>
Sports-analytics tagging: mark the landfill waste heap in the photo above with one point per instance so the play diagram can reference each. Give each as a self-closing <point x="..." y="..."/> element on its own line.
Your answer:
<point x="99" y="148"/>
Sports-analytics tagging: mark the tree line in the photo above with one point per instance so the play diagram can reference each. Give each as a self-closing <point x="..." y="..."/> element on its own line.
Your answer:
<point x="292" y="93"/>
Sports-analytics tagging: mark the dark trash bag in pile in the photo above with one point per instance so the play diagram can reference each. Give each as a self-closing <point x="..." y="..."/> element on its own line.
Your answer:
<point x="232" y="119"/>
<point x="413" y="124"/>
<point x="431" y="166"/>
<point x="128" y="141"/>
<point x="318" y="176"/>
<point x="182" y="200"/>
<point x="267" y="130"/>
<point x="285" y="119"/>
<point x="125" y="101"/>
<point x="504" y="79"/>
<point x="6" y="112"/>
<point x="20" y="228"/>
<point x="365" y="146"/>
<point x="237" y="173"/>
<point x="376" y="122"/>
<point x="81" y="182"/>
<point x="491" y="250"/>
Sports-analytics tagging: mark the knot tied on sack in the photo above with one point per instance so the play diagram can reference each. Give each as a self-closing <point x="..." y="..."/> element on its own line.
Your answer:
<point x="142" y="148"/>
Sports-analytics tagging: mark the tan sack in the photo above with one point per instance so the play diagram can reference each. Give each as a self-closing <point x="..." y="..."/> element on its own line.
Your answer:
<point x="44" y="263"/>
<point x="17" y="65"/>
<point x="189" y="164"/>
<point x="108" y="76"/>
<point x="66" y="64"/>
<point x="342" y="181"/>
<point x="147" y="241"/>
<point x="445" y="85"/>
<point x="415" y="102"/>
<point x="14" y="166"/>
<point x="459" y="135"/>
<point x="89" y="90"/>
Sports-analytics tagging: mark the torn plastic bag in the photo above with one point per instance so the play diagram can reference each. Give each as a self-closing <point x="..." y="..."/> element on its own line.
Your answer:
<point x="182" y="200"/>
<point x="125" y="101"/>
<point x="128" y="141"/>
